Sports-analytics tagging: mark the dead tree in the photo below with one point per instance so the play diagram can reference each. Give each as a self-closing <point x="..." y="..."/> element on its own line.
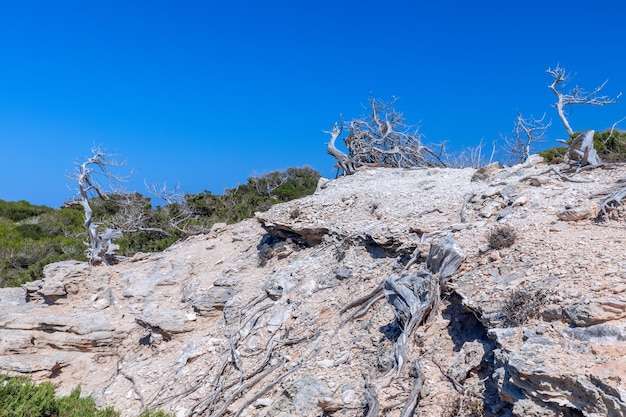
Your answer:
<point x="575" y="96"/>
<point x="470" y="157"/>
<point x="134" y="214"/>
<point x="344" y="163"/>
<point x="266" y="184"/>
<point x="178" y="211"/>
<point x="100" y="247"/>
<point x="525" y="133"/>
<point x="380" y="139"/>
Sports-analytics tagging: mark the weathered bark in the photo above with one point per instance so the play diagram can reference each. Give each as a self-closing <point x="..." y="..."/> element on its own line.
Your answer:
<point x="613" y="202"/>
<point x="100" y="247"/>
<point x="411" y="296"/>
<point x="581" y="151"/>
<point x="343" y="161"/>
<point x="445" y="257"/>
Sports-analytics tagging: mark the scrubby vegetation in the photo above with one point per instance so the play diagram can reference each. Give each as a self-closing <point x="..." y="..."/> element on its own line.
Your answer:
<point x="523" y="305"/>
<point x="258" y="194"/>
<point x="34" y="236"/>
<point x="502" y="236"/>
<point x="610" y="145"/>
<point x="21" y="397"/>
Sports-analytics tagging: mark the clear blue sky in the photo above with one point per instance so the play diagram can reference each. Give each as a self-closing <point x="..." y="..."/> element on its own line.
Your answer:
<point x="208" y="93"/>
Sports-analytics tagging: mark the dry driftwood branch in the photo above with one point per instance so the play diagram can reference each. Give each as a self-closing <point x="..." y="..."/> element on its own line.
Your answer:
<point x="556" y="171"/>
<point x="445" y="257"/>
<point x="613" y="202"/>
<point x="361" y="300"/>
<point x="465" y="201"/>
<point x="135" y="388"/>
<point x="363" y="310"/>
<point x="371" y="399"/>
<point x="418" y="382"/>
<point x="200" y="381"/>
<point x="242" y="387"/>
<point x="412" y="295"/>
<point x="269" y="386"/>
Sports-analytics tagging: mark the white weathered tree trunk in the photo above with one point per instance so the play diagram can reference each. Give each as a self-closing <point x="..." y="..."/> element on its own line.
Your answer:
<point x="100" y="247"/>
<point x="575" y="96"/>
<point x="581" y="151"/>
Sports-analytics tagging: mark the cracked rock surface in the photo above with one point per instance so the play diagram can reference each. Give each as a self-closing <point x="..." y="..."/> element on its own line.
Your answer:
<point x="262" y="318"/>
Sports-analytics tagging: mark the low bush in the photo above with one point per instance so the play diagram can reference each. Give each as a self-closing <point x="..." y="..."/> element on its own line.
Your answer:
<point x="610" y="145"/>
<point x="21" y="397"/>
<point x="523" y="305"/>
<point x="34" y="236"/>
<point x="502" y="236"/>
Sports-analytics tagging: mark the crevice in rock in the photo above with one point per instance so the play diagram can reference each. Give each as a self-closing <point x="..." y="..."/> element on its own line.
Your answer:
<point x="464" y="326"/>
<point x="465" y="330"/>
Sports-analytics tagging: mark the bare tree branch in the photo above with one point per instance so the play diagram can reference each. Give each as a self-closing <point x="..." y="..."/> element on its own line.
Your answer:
<point x="470" y="157"/>
<point x="525" y="133"/>
<point x="265" y="185"/>
<point x="343" y="161"/>
<point x="575" y="96"/>
<point x="133" y="214"/>
<point x="380" y="139"/>
<point x="178" y="211"/>
<point x="100" y="248"/>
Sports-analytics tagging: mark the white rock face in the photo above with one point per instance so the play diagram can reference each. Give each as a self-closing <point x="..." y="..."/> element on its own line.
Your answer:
<point x="538" y="328"/>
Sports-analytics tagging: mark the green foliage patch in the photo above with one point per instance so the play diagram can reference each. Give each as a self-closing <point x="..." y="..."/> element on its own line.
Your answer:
<point x="30" y="243"/>
<point x="258" y="194"/>
<point x="34" y="236"/>
<point x="610" y="145"/>
<point x="20" y="397"/>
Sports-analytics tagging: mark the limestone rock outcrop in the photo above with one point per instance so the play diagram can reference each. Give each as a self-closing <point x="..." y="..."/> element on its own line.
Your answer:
<point x="285" y="314"/>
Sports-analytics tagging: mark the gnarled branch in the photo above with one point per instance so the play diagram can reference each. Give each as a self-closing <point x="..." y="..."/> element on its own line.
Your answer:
<point x="575" y="96"/>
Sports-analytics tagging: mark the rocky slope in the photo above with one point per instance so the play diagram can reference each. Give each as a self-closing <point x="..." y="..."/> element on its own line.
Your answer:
<point x="283" y="315"/>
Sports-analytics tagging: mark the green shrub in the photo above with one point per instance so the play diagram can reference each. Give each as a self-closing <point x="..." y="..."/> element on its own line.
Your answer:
<point x="20" y="210"/>
<point x="610" y="145"/>
<point x="156" y="413"/>
<point x="75" y="406"/>
<point x="34" y="236"/>
<point x="502" y="236"/>
<point x="554" y="155"/>
<point x="20" y="397"/>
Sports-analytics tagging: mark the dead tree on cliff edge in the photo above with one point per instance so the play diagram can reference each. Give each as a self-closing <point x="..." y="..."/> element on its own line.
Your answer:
<point x="575" y="96"/>
<point x="100" y="247"/>
<point x="380" y="139"/>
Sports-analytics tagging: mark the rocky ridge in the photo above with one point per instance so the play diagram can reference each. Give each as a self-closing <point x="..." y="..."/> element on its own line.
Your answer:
<point x="262" y="318"/>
